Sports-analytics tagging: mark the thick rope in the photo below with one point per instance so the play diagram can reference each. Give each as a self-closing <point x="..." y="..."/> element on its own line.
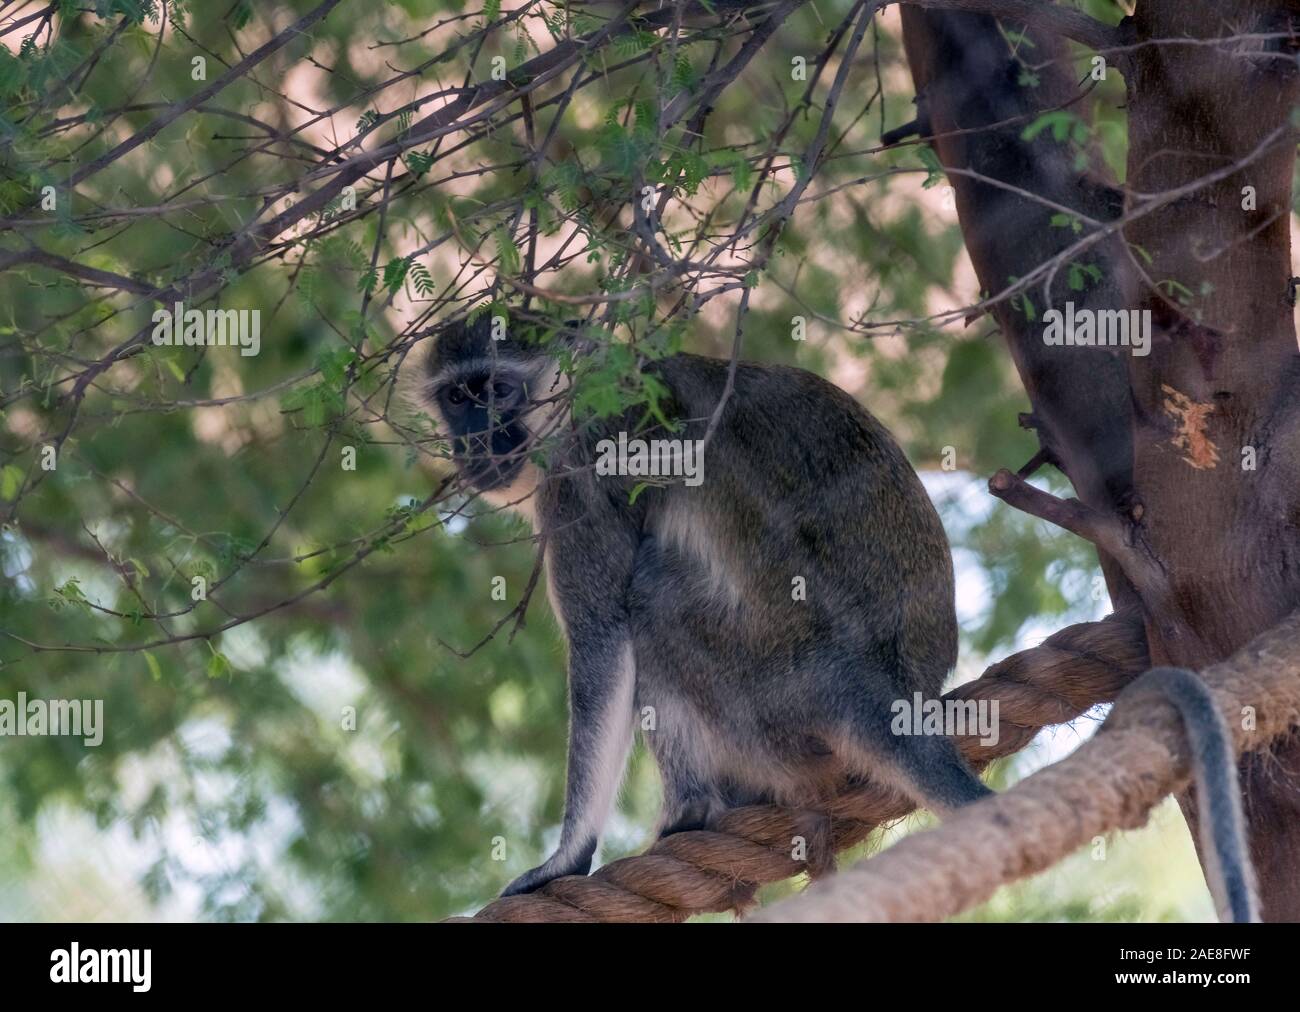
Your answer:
<point x="1111" y="782"/>
<point x="719" y="869"/>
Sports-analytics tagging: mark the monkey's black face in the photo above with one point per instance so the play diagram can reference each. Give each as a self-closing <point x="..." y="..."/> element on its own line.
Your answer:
<point x="484" y="415"/>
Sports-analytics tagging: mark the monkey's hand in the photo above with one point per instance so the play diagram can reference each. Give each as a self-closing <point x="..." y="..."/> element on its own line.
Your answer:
<point x="557" y="866"/>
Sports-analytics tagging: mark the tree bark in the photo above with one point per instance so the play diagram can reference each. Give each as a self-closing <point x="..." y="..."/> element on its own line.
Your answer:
<point x="1186" y="462"/>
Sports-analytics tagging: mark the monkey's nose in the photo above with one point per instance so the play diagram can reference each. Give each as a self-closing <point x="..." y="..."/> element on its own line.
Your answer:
<point x="480" y="444"/>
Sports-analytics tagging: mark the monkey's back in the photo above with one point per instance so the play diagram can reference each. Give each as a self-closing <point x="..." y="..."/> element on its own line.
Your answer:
<point x="808" y="560"/>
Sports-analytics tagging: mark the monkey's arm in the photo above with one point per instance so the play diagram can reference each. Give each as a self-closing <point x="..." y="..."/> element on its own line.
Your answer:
<point x="1222" y="824"/>
<point x="590" y="550"/>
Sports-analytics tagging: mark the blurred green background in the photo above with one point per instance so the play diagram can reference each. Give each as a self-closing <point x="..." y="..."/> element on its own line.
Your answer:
<point x="233" y="782"/>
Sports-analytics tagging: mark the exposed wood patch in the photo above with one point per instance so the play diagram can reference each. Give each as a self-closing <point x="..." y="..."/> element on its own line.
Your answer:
<point x="1190" y="418"/>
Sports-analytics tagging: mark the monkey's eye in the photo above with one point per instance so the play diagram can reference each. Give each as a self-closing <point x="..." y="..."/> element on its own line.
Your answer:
<point x="502" y="390"/>
<point x="456" y="395"/>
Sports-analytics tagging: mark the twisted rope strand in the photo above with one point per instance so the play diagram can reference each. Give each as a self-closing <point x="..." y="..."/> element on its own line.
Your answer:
<point x="1112" y="781"/>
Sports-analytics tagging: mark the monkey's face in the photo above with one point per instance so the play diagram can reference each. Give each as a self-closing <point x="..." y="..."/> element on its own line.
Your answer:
<point x="485" y="413"/>
<point x="496" y="402"/>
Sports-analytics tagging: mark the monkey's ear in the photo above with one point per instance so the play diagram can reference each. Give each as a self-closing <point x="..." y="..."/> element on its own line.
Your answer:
<point x="572" y="336"/>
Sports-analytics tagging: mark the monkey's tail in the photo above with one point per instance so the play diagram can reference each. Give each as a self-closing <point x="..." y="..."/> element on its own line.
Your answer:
<point x="1222" y="823"/>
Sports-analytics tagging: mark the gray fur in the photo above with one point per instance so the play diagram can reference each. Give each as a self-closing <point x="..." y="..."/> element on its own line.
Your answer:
<point x="1222" y="823"/>
<point x="756" y="697"/>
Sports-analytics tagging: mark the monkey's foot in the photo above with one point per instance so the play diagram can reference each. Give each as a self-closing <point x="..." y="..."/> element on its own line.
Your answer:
<point x="556" y="866"/>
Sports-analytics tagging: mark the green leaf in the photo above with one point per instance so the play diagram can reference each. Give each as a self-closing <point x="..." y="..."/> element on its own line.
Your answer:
<point x="218" y="665"/>
<point x="1061" y="122"/>
<point x="690" y="168"/>
<point x="418" y="162"/>
<point x="507" y="251"/>
<point x="1062" y="220"/>
<point x="742" y="173"/>
<point x="622" y="153"/>
<point x="395" y="273"/>
<point x="11" y="480"/>
<point x="933" y="167"/>
<point x="315" y="402"/>
<point x="683" y="75"/>
<point x="334" y="364"/>
<point x="1023" y="302"/>
<point x="69" y="594"/>
<point x="564" y="180"/>
<point x="421" y="279"/>
<point x="12" y="73"/>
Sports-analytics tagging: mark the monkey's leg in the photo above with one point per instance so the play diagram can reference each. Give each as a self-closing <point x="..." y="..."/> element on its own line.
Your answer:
<point x="685" y="815"/>
<point x="691" y="803"/>
<point x="926" y="767"/>
<point x="589" y="566"/>
<point x="600" y="735"/>
<point x="688" y="800"/>
<point x="937" y="772"/>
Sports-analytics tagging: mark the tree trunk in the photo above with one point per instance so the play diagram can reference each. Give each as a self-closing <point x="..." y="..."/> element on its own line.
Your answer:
<point x="1186" y="462"/>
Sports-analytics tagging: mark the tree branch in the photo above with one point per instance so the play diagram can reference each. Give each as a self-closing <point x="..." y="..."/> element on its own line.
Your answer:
<point x="1069" y="514"/>
<point x="1049" y="17"/>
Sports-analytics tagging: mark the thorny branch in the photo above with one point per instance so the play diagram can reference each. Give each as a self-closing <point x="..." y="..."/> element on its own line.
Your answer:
<point x="714" y="229"/>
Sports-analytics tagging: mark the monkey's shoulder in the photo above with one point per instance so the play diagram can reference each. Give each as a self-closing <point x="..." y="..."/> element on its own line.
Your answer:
<point x="692" y="376"/>
<point x="780" y="407"/>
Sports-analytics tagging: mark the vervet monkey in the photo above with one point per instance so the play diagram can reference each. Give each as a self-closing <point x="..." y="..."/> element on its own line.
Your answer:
<point x="681" y="610"/>
<point x="758" y="624"/>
